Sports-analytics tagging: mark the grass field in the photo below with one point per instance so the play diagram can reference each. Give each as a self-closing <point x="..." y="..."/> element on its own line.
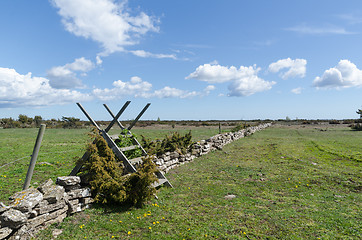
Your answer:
<point x="58" y="150"/>
<point x="289" y="182"/>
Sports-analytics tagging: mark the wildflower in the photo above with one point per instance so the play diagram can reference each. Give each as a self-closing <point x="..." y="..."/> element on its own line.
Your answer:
<point x="149" y="228"/>
<point x="244" y="233"/>
<point x="112" y="236"/>
<point x="189" y="187"/>
<point x="110" y="220"/>
<point x="220" y="224"/>
<point x="288" y="179"/>
<point x="153" y="223"/>
<point x="121" y="221"/>
<point x="157" y="222"/>
<point x="129" y="233"/>
<point x="163" y="217"/>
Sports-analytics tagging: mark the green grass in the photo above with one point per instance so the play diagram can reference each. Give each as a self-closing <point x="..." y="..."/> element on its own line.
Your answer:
<point x="57" y="154"/>
<point x="289" y="182"/>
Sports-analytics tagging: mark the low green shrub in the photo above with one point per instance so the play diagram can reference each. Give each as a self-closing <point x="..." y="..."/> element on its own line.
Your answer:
<point x="240" y="126"/>
<point x="172" y="142"/>
<point x="104" y="172"/>
<point x="357" y="126"/>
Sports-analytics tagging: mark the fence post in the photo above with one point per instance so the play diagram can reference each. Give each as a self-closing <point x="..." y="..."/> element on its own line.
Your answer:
<point x="34" y="156"/>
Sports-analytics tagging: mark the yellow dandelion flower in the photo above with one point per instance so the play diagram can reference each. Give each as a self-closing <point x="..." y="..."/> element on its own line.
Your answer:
<point x="296" y="186"/>
<point x="110" y="220"/>
<point x="153" y="223"/>
<point x="112" y="236"/>
<point x="157" y="222"/>
<point x="244" y="233"/>
<point x="129" y="232"/>
<point x="149" y="228"/>
<point x="120" y="221"/>
<point x="163" y="217"/>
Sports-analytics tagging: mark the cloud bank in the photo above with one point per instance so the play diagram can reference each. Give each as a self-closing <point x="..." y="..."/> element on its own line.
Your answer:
<point x="344" y="75"/>
<point x="296" y="68"/>
<point x="66" y="77"/>
<point x="244" y="81"/>
<point x="17" y="90"/>
<point x="105" y="21"/>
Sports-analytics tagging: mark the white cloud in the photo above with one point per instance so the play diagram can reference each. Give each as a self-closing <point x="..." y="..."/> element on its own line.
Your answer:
<point x="99" y="60"/>
<point x="344" y="75"/>
<point x="304" y="29"/>
<point x="136" y="87"/>
<point x="297" y="67"/>
<point x="244" y="81"/>
<point x="65" y="76"/>
<point x="17" y="90"/>
<point x="144" y="54"/>
<point x="297" y="90"/>
<point x="105" y="21"/>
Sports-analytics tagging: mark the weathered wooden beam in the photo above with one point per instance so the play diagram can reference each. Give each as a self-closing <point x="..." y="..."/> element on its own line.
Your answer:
<point x="115" y="118"/>
<point x="139" y="116"/>
<point x="89" y="117"/>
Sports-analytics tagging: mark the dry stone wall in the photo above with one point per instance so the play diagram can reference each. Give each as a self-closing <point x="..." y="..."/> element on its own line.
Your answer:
<point x="171" y="160"/>
<point x="35" y="209"/>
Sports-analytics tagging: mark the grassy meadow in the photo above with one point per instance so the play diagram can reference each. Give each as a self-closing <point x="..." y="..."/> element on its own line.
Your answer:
<point x="287" y="182"/>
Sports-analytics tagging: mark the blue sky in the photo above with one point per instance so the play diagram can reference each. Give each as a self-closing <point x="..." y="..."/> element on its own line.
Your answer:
<point x="194" y="60"/>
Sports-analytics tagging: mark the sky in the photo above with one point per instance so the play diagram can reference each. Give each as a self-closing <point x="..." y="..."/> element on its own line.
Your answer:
<point x="192" y="60"/>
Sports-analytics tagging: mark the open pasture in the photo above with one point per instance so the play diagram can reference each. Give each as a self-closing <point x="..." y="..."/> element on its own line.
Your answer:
<point x="59" y="149"/>
<point x="285" y="182"/>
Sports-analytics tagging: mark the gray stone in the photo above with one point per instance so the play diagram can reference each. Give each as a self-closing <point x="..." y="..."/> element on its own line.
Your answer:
<point x="52" y="193"/>
<point x="41" y="209"/>
<point x="3" y="207"/>
<point x="79" y="193"/>
<point x="68" y="180"/>
<point x="57" y="232"/>
<point x="43" y="188"/>
<point x="87" y="200"/>
<point x="26" y="200"/>
<point x="4" y="232"/>
<point x="13" y="219"/>
<point x="230" y="196"/>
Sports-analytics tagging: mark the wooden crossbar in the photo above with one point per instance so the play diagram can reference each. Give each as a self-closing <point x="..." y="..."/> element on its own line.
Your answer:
<point x="119" y="151"/>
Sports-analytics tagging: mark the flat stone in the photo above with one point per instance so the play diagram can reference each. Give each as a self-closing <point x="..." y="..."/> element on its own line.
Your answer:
<point x="57" y="232"/>
<point x="68" y="180"/>
<point x="41" y="209"/>
<point x="13" y="219"/>
<point x="79" y="193"/>
<point x="26" y="200"/>
<point x="43" y="188"/>
<point x="230" y="196"/>
<point x="4" y="232"/>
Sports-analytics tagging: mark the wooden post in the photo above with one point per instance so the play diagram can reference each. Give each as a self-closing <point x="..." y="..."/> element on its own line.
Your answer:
<point x="219" y="128"/>
<point x="34" y="156"/>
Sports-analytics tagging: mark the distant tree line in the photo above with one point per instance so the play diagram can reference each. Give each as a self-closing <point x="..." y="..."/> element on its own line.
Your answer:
<point x="24" y="121"/>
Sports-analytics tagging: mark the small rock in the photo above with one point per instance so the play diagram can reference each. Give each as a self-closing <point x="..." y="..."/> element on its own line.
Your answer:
<point x="4" y="232"/>
<point x="13" y="219"/>
<point x="57" y="232"/>
<point x="68" y="181"/>
<point x="230" y="196"/>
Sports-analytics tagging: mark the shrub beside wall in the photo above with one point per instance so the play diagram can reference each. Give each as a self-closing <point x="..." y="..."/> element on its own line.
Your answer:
<point x="35" y="209"/>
